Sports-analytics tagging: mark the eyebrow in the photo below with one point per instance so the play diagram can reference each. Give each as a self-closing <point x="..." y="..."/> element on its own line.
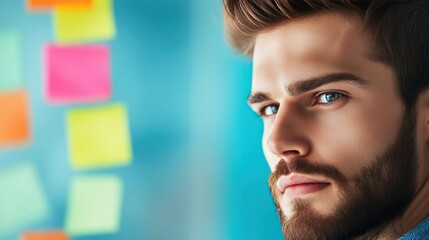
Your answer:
<point x="303" y="86"/>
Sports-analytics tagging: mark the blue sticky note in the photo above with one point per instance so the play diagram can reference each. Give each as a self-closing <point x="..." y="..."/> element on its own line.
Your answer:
<point x="22" y="200"/>
<point x="10" y="61"/>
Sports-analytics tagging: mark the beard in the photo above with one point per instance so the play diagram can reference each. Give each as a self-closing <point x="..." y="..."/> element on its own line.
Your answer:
<point x="368" y="201"/>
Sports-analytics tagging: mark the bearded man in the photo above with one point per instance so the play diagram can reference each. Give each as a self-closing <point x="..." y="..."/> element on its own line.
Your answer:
<point x="342" y="89"/>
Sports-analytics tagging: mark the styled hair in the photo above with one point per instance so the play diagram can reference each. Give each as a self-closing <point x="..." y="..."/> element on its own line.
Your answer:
<point x="399" y="31"/>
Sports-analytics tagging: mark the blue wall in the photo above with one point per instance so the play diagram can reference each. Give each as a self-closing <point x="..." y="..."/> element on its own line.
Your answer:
<point x="198" y="171"/>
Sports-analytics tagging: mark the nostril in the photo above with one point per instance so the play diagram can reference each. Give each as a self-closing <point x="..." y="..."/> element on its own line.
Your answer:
<point x="291" y="148"/>
<point x="291" y="156"/>
<point x="292" y="152"/>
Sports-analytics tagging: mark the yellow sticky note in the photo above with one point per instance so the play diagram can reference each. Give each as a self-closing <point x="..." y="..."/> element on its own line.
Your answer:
<point x="99" y="137"/>
<point x="85" y="24"/>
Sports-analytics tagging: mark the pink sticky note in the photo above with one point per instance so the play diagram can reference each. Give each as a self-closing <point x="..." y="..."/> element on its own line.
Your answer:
<point x="77" y="74"/>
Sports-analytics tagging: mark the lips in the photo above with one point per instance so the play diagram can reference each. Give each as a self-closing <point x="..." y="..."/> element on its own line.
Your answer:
<point x="300" y="184"/>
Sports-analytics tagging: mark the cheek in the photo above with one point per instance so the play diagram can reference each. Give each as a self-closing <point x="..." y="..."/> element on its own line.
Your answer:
<point x="357" y="137"/>
<point x="271" y="159"/>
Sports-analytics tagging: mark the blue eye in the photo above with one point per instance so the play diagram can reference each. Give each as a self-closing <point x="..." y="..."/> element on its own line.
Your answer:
<point x="269" y="110"/>
<point x="328" y="97"/>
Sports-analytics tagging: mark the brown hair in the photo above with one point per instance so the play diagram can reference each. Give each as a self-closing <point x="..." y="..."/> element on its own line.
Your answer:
<point x="399" y="30"/>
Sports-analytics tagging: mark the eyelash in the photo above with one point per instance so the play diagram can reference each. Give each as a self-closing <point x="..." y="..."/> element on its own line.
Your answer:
<point x="261" y="111"/>
<point x="317" y="96"/>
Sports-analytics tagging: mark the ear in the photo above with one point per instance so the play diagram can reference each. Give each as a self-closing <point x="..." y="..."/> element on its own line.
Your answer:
<point x="422" y="109"/>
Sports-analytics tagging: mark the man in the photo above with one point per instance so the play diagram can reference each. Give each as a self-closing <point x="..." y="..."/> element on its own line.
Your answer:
<point x="342" y="89"/>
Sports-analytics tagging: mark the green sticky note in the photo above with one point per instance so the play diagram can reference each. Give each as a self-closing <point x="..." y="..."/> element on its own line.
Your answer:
<point x="99" y="137"/>
<point x="22" y="200"/>
<point x="77" y="24"/>
<point x="11" y="77"/>
<point x="94" y="205"/>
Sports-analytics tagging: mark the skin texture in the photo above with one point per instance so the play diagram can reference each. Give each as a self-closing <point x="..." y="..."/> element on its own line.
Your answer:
<point x="349" y="133"/>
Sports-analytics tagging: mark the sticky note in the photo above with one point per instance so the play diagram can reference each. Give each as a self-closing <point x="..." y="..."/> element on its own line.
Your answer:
<point x="45" y="235"/>
<point x="94" y="205"/>
<point x="14" y="120"/>
<point x="22" y="200"/>
<point x="50" y="4"/>
<point x="77" y="74"/>
<point x="85" y="24"/>
<point x="99" y="137"/>
<point x="11" y="77"/>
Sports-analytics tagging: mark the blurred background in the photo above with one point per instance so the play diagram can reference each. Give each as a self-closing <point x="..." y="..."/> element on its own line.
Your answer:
<point x="197" y="171"/>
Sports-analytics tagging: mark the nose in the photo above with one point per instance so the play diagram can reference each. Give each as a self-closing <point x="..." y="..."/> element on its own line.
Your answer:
<point x="287" y="137"/>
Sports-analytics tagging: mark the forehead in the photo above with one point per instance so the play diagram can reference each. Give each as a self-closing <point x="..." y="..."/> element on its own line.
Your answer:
<point x="324" y="42"/>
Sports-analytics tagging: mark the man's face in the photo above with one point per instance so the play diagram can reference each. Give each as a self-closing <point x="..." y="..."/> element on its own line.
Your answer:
<point x="336" y="135"/>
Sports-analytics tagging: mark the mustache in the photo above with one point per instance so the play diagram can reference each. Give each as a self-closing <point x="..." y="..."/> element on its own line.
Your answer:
<point x="303" y="166"/>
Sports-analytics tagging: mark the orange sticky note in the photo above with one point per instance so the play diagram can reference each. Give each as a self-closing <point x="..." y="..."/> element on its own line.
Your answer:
<point x="44" y="235"/>
<point x="50" y="4"/>
<point x="14" y="118"/>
